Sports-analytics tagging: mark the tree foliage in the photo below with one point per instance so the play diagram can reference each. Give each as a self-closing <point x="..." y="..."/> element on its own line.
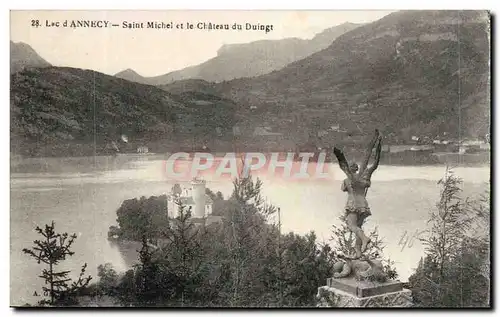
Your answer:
<point x="144" y="216"/>
<point x="51" y="251"/>
<point x="243" y="261"/>
<point x="343" y="243"/>
<point x="108" y="280"/>
<point x="454" y="271"/>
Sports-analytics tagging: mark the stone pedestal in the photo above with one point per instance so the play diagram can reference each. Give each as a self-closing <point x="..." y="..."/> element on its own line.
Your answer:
<point x="349" y="292"/>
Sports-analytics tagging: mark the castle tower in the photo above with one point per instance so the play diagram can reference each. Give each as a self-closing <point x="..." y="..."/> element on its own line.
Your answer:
<point x="198" y="194"/>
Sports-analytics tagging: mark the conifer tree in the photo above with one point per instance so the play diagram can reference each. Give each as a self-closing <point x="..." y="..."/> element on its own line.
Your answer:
<point x="52" y="250"/>
<point x="451" y="273"/>
<point x="183" y="256"/>
<point x="449" y="223"/>
<point x="146" y="280"/>
<point x="246" y="219"/>
<point x="481" y="207"/>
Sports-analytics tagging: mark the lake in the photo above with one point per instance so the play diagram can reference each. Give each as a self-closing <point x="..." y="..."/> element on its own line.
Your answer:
<point x="82" y="195"/>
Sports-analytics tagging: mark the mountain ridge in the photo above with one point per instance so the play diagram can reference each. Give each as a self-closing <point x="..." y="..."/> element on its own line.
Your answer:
<point x="69" y="111"/>
<point x="24" y="56"/>
<point x="410" y="73"/>
<point x="248" y="59"/>
<point x="404" y="63"/>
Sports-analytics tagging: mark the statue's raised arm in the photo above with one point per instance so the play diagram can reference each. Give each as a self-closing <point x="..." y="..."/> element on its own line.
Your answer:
<point x="344" y="166"/>
<point x="369" y="171"/>
<point x="368" y="153"/>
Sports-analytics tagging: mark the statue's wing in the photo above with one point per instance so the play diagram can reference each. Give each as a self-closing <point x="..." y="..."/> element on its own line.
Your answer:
<point x="367" y="173"/>
<point x="369" y="150"/>
<point x="344" y="166"/>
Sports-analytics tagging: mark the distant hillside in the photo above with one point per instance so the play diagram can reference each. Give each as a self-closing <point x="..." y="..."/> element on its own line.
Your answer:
<point x="131" y="75"/>
<point x="23" y="56"/>
<point x="415" y="72"/>
<point x="61" y="108"/>
<point x="248" y="59"/>
<point x="191" y="85"/>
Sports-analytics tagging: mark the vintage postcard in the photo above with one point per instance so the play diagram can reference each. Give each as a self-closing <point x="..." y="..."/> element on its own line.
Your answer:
<point x="250" y="159"/>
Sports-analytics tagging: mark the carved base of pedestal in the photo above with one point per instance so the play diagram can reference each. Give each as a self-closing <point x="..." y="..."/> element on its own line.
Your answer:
<point x="364" y="288"/>
<point x="334" y="297"/>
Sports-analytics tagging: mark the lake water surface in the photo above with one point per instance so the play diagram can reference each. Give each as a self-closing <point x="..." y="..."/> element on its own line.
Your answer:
<point x="82" y="195"/>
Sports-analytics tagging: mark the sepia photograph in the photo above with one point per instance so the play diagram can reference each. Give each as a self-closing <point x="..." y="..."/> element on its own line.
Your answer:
<point x="250" y="159"/>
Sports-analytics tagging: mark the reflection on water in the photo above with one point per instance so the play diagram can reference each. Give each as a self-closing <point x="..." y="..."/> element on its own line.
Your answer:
<point x="82" y="194"/>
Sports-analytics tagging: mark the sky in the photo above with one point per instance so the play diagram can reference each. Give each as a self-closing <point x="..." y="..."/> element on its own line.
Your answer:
<point x="152" y="52"/>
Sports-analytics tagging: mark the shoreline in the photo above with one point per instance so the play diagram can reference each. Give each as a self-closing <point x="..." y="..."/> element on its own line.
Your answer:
<point x="44" y="163"/>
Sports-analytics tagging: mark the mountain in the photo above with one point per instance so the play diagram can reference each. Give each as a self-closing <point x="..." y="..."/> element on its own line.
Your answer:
<point x="130" y="75"/>
<point x="411" y="72"/>
<point x="22" y="56"/>
<point x="65" y="111"/>
<point x="248" y="59"/>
